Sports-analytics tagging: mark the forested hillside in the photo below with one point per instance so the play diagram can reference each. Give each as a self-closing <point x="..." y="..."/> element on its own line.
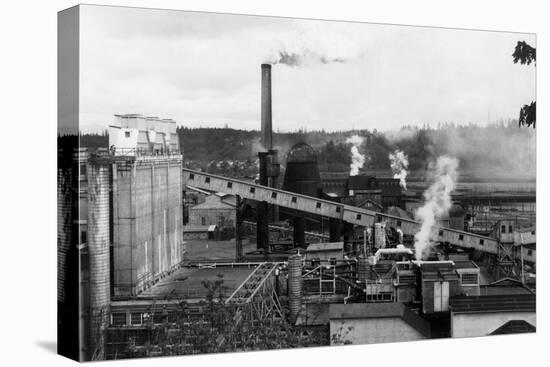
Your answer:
<point x="500" y="149"/>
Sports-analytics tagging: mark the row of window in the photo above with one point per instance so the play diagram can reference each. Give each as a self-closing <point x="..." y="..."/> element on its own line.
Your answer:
<point x="469" y="279"/>
<point x="141" y="318"/>
<point x="461" y="237"/>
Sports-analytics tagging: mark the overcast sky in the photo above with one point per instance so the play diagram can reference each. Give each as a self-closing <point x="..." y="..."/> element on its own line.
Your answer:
<point x="203" y="69"/>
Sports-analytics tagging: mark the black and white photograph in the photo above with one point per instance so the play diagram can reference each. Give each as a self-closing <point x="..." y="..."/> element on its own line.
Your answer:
<point x="235" y="183"/>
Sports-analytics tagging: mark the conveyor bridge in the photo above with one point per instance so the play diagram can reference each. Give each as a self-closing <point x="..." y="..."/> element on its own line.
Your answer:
<point x="346" y="213"/>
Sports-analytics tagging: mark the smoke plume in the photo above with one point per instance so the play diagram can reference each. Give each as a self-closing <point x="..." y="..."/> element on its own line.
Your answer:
<point x="357" y="159"/>
<point x="437" y="202"/>
<point x="305" y="57"/>
<point x="399" y="164"/>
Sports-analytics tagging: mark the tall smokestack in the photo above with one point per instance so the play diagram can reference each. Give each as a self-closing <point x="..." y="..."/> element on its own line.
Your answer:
<point x="267" y="140"/>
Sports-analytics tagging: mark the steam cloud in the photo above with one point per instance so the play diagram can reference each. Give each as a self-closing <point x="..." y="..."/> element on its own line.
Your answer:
<point x="357" y="159"/>
<point x="399" y="164"/>
<point x="437" y="202"/>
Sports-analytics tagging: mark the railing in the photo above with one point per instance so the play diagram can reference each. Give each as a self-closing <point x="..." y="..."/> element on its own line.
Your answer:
<point x="136" y="152"/>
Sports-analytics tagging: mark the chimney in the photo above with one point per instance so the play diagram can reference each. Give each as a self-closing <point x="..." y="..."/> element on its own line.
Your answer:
<point x="266" y="134"/>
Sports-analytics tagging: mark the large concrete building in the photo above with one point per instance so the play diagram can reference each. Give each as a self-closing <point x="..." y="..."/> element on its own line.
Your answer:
<point x="126" y="219"/>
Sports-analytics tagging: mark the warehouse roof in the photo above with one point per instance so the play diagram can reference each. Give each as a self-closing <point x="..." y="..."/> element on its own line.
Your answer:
<point x="493" y="303"/>
<point x="214" y="202"/>
<point x="465" y="264"/>
<point x="379" y="310"/>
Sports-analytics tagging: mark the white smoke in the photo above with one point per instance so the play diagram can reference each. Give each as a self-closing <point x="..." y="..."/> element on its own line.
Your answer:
<point x="357" y="159"/>
<point x="437" y="202"/>
<point x="399" y="164"/>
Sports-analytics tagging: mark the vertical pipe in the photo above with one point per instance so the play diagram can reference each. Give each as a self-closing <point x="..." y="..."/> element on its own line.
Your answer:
<point x="98" y="250"/>
<point x="266" y="137"/>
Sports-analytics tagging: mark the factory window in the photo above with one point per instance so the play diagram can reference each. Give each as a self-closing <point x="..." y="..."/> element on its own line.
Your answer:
<point x="529" y="252"/>
<point x="83" y="169"/>
<point x="293" y="200"/>
<point x="274" y="195"/>
<point x="318" y="205"/>
<point x="118" y="319"/>
<point x="136" y="318"/>
<point x="207" y="180"/>
<point x="441" y="296"/>
<point x="379" y="218"/>
<point x="481" y="241"/>
<point x="203" y="221"/>
<point x="440" y="233"/>
<point x="252" y="190"/>
<point x="126" y="134"/>
<point x="337" y="209"/>
<point x="192" y="176"/>
<point x="358" y="216"/>
<point x="229" y="185"/>
<point x="407" y="279"/>
<point x="503" y="229"/>
<point x="83" y="237"/>
<point x="461" y="237"/>
<point x="468" y="279"/>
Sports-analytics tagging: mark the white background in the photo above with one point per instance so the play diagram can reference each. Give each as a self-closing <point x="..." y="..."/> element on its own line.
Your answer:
<point x="28" y="179"/>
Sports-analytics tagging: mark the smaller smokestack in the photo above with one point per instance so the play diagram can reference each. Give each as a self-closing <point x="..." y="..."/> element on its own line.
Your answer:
<point x="266" y="134"/>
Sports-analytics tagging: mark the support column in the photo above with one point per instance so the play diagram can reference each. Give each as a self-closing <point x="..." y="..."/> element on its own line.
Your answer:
<point x="262" y="227"/>
<point x="238" y="228"/>
<point x="348" y="238"/>
<point x="335" y="229"/>
<point x="299" y="224"/>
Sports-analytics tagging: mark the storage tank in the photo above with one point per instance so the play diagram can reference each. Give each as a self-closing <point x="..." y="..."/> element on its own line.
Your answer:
<point x="380" y="235"/>
<point x="98" y="250"/>
<point x="294" y="286"/>
<point x="302" y="172"/>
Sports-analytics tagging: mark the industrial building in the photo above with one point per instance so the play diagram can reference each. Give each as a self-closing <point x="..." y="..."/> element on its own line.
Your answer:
<point x="331" y="258"/>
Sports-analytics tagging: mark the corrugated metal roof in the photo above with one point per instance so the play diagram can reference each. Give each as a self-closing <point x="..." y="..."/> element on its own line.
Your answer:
<point x="493" y="303"/>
